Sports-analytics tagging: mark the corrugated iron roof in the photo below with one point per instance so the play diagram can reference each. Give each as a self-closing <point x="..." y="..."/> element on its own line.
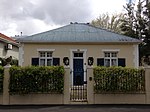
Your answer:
<point x="78" y="32"/>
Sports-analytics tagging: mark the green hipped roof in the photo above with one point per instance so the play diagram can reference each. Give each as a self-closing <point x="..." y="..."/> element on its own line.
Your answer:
<point x="78" y="33"/>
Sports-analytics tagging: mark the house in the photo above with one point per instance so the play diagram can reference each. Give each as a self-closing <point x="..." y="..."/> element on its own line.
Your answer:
<point x="78" y="46"/>
<point x="8" y="47"/>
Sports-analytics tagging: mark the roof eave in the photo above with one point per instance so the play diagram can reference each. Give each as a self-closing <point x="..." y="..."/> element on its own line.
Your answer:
<point x="6" y="41"/>
<point x="125" y="42"/>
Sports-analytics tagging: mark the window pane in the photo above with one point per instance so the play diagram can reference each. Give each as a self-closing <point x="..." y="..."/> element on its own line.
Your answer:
<point x="42" y="54"/>
<point x="49" y="54"/>
<point x="78" y="54"/>
<point x="42" y="62"/>
<point x="49" y="62"/>
<point x="113" y="62"/>
<point x="107" y="62"/>
<point x="114" y="55"/>
<point x="107" y="54"/>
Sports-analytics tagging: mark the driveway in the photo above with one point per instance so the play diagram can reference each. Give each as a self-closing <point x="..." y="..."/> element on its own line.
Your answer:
<point x="77" y="108"/>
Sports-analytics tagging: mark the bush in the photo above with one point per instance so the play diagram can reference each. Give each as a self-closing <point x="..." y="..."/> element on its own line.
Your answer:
<point x="13" y="62"/>
<point x="1" y="78"/>
<point x="118" y="80"/>
<point x="25" y="80"/>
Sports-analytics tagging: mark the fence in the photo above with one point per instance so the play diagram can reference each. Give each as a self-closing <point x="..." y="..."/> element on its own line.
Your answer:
<point x="25" y="80"/>
<point x="78" y="93"/>
<point x="119" y="80"/>
<point x="18" y="88"/>
<point x="138" y="97"/>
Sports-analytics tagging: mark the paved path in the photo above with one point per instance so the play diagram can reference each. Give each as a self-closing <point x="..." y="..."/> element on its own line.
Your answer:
<point x="79" y="108"/>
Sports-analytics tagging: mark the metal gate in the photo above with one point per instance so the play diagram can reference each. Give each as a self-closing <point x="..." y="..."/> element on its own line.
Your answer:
<point x="78" y="93"/>
<point x="79" y="88"/>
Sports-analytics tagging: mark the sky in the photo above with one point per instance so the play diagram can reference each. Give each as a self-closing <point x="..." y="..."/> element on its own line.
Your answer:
<point x="35" y="16"/>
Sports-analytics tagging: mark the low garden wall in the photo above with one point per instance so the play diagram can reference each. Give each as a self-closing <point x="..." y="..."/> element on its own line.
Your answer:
<point x="40" y="98"/>
<point x="33" y="85"/>
<point x="120" y="98"/>
<point x="1" y="84"/>
<point x="117" y="85"/>
<point x="51" y="85"/>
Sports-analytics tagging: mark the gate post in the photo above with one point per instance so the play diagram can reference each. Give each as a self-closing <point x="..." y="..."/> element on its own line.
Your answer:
<point x="6" y="85"/>
<point x="90" y="86"/>
<point x="147" y="84"/>
<point x="67" y="86"/>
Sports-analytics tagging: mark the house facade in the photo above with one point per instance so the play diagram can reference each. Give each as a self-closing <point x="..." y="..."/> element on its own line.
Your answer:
<point x="79" y="46"/>
<point x="8" y="47"/>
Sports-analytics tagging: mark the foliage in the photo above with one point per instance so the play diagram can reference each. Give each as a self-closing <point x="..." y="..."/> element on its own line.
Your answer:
<point x="136" y="23"/>
<point x="118" y="80"/>
<point x="1" y="78"/>
<point x="129" y="22"/>
<point x="25" y="80"/>
<point x="13" y="62"/>
<point x="144" y="48"/>
<point x="109" y="22"/>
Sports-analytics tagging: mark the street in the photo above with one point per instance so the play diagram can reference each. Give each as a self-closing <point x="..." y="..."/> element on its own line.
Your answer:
<point x="76" y="108"/>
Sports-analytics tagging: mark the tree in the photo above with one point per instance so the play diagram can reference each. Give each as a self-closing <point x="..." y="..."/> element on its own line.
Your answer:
<point x="137" y="24"/>
<point x="145" y="48"/>
<point x="128" y="25"/>
<point x="108" y="22"/>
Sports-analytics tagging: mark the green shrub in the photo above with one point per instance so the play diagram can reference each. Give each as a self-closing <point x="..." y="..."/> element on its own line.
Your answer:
<point x="25" y="80"/>
<point x="118" y="80"/>
<point x="1" y="78"/>
<point x="13" y="62"/>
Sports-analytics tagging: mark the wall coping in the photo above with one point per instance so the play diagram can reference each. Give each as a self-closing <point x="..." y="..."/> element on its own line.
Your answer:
<point x="7" y="66"/>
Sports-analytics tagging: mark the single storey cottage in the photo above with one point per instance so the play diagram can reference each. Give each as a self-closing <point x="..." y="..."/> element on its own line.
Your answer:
<point x="78" y="46"/>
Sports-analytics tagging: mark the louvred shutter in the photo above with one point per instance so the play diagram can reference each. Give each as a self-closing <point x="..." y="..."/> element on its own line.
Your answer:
<point x="122" y="62"/>
<point x="56" y="61"/>
<point x="100" y="61"/>
<point x="35" y="61"/>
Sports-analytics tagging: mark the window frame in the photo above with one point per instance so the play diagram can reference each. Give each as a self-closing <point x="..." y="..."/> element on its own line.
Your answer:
<point x="110" y="58"/>
<point x="46" y="58"/>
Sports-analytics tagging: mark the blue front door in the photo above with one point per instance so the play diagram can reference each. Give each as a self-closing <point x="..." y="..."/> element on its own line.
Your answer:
<point x="78" y="72"/>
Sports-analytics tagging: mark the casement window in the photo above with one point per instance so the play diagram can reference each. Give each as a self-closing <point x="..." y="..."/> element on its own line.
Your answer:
<point x="111" y="59"/>
<point x="45" y="59"/>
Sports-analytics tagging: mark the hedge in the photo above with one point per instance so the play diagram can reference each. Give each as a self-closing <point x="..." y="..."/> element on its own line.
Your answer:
<point x="25" y="80"/>
<point x="1" y="78"/>
<point x="118" y="80"/>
